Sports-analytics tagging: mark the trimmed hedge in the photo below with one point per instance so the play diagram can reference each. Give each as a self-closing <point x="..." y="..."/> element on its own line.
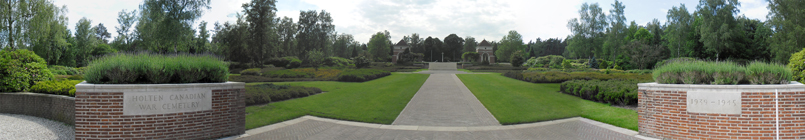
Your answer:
<point x="58" y="87"/>
<point x="559" y="76"/>
<point x="797" y="66"/>
<point x="621" y="92"/>
<point x="156" y="69"/>
<point x="362" y="75"/>
<point x="337" y="62"/>
<point x="252" y="71"/>
<point x="721" y="73"/>
<point x="20" y="69"/>
<point x="266" y="93"/>
<point x="62" y="70"/>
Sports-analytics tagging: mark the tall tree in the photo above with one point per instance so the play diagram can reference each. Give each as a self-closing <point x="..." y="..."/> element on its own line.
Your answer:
<point x="508" y="45"/>
<point x="101" y="33"/>
<point x="587" y="31"/>
<point x="379" y="47"/>
<point x="125" y="35"/>
<point x="24" y="23"/>
<point x="415" y="43"/>
<point x="678" y="31"/>
<point x="287" y="30"/>
<point x="202" y="41"/>
<point x="454" y="47"/>
<point x="314" y="28"/>
<point x="718" y="27"/>
<point x="656" y="29"/>
<point x="166" y="25"/>
<point x="470" y="44"/>
<point x="341" y="45"/>
<point x="261" y="14"/>
<point x="787" y="19"/>
<point x="46" y="33"/>
<point x="86" y="41"/>
<point x="617" y="31"/>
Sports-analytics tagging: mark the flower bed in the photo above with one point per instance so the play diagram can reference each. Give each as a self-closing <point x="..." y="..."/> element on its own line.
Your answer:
<point x="721" y="73"/>
<point x="156" y="69"/>
<point x="621" y="92"/>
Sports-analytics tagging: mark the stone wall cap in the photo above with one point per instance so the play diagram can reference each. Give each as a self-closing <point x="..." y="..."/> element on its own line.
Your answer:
<point x="39" y="94"/>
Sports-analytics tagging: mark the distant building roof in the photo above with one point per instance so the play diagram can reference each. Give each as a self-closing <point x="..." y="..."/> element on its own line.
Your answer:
<point x="401" y="43"/>
<point x="484" y="43"/>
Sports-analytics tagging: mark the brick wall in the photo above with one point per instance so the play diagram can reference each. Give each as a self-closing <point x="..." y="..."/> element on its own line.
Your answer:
<point x="663" y="114"/>
<point x="54" y="107"/>
<point x="99" y="115"/>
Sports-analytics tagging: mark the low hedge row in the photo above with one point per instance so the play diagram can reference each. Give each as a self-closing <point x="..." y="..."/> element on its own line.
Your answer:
<point x="321" y="74"/>
<point x="559" y="76"/>
<point x="62" y="70"/>
<point x="58" y="87"/>
<point x="146" y="68"/>
<point x="621" y="92"/>
<point x="361" y="75"/>
<point x="266" y="93"/>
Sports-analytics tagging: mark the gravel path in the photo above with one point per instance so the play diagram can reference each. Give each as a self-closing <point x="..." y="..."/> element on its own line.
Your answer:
<point x="22" y="127"/>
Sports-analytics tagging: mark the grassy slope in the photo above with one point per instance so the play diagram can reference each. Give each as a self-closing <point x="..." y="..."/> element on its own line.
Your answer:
<point x="513" y="101"/>
<point x="377" y="101"/>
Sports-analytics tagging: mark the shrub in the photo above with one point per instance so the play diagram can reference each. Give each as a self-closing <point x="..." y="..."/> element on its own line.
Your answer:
<point x="362" y="61"/>
<point x="337" y="62"/>
<point x="470" y="56"/>
<point x="797" y="65"/>
<point x="58" y="87"/>
<point x="287" y="62"/>
<point x="559" y="76"/>
<point x="62" y="70"/>
<point x="566" y="64"/>
<point x="721" y="73"/>
<point x="156" y="69"/>
<point x="252" y="71"/>
<point x="265" y="93"/>
<point x="362" y="75"/>
<point x="76" y="77"/>
<point x="622" y="92"/>
<point x="289" y="73"/>
<point x="765" y="73"/>
<point x="20" y="69"/>
<point x="517" y="58"/>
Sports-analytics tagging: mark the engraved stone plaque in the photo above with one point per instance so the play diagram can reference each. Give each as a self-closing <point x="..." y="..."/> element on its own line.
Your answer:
<point x="164" y="102"/>
<point x="714" y="102"/>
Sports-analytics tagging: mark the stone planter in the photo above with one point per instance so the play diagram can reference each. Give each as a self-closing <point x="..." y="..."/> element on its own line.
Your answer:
<point x="679" y="111"/>
<point x="159" y="111"/>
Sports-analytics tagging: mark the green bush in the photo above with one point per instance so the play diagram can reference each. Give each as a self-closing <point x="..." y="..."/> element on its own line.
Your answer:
<point x="62" y="70"/>
<point x="721" y="73"/>
<point x="265" y="93"/>
<point x="362" y="75"/>
<point x="58" y="87"/>
<point x="156" y="69"/>
<point x="76" y="77"/>
<point x="560" y="76"/>
<point x="622" y="92"/>
<point x="517" y="58"/>
<point x="288" y="62"/>
<point x="362" y="61"/>
<point x="337" y="62"/>
<point x="20" y="69"/>
<point x="797" y="65"/>
<point x="566" y="64"/>
<point x="252" y="71"/>
<point x="289" y="73"/>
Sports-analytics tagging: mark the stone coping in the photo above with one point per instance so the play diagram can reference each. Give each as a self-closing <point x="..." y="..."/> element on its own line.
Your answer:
<point x="88" y="87"/>
<point x="267" y="128"/>
<point x="791" y="87"/>
<point x="39" y="94"/>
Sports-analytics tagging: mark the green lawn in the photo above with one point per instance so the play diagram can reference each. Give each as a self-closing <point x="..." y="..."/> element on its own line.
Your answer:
<point x="513" y="101"/>
<point x="377" y="101"/>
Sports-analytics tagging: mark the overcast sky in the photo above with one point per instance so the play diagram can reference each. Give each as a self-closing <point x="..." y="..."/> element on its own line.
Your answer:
<point x="482" y="19"/>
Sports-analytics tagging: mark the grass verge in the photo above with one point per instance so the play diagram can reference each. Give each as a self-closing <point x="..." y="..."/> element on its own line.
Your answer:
<point x="377" y="101"/>
<point x="513" y="101"/>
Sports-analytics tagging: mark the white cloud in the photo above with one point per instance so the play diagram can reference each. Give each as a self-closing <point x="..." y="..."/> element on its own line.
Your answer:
<point x="98" y="11"/>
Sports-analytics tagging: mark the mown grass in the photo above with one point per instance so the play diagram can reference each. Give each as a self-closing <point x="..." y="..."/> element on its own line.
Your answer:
<point x="377" y="101"/>
<point x="513" y="101"/>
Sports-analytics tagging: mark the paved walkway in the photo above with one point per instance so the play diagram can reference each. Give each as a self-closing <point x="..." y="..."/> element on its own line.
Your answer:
<point x="444" y="101"/>
<point x="443" y="108"/>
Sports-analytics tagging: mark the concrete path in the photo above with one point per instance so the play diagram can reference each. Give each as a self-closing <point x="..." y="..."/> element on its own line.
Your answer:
<point x="314" y="128"/>
<point x="444" y="101"/>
